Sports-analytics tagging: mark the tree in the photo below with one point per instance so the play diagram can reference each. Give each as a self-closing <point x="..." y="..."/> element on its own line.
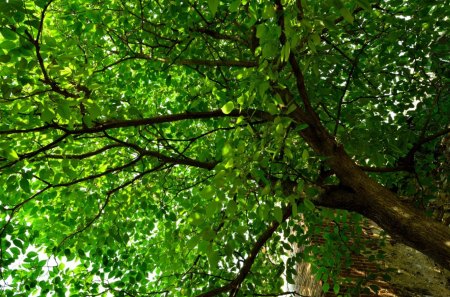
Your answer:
<point x="171" y="146"/>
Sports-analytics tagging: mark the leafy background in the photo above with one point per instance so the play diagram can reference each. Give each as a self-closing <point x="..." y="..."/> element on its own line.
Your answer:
<point x="175" y="207"/>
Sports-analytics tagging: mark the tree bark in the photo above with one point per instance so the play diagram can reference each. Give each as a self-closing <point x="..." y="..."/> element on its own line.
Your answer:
<point x="364" y="195"/>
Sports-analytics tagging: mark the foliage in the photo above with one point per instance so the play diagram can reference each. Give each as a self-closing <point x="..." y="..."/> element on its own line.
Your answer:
<point x="158" y="143"/>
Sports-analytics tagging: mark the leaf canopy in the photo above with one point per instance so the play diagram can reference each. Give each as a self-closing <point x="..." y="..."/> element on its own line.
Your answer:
<point x="156" y="144"/>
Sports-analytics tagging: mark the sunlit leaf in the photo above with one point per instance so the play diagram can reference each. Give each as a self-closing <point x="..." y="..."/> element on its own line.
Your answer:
<point x="228" y="107"/>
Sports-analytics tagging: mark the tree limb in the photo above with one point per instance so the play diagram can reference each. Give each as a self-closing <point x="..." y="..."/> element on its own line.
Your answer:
<point x="184" y="62"/>
<point x="234" y="285"/>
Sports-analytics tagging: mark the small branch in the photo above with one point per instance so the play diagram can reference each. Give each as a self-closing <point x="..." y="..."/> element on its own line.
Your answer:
<point x="164" y="158"/>
<point x="300" y="9"/>
<point x="430" y="138"/>
<point x="217" y="35"/>
<point x="293" y="293"/>
<point x="41" y="22"/>
<point x="36" y="152"/>
<point x="383" y="169"/>
<point x="16" y="208"/>
<point x="200" y="14"/>
<point x="341" y="100"/>
<point x="94" y="176"/>
<point x="83" y="156"/>
<point x="234" y="285"/>
<point x="406" y="163"/>
<point x="37" y="47"/>
<point x="26" y="96"/>
<point x="184" y="62"/>
<point x="299" y="78"/>
<point x="105" y="203"/>
<point x="337" y="49"/>
<point x="18" y="131"/>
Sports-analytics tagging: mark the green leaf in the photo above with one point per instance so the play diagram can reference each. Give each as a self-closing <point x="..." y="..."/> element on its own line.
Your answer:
<point x="94" y="110"/>
<point x="326" y="287"/>
<point x="228" y="107"/>
<point x="25" y="185"/>
<point x="337" y="3"/>
<point x="50" y="41"/>
<point x="81" y="254"/>
<point x="41" y="3"/>
<point x="15" y="251"/>
<point x="63" y="108"/>
<point x="364" y="4"/>
<point x="293" y="203"/>
<point x="5" y="58"/>
<point x="47" y="115"/>
<point x="347" y="15"/>
<point x="8" y="45"/>
<point x="213" y="258"/>
<point x="8" y="34"/>
<point x="336" y="288"/>
<point x="105" y="260"/>
<point x="302" y="126"/>
<point x="234" y="6"/>
<point x="232" y="207"/>
<point x="278" y="214"/>
<point x="18" y="243"/>
<point x="308" y="204"/>
<point x="315" y="38"/>
<point x="280" y="129"/>
<point x="312" y="46"/>
<point x="11" y="155"/>
<point x="285" y="52"/>
<point x="212" y="208"/>
<point x="213" y="5"/>
<point x="33" y="22"/>
<point x="305" y="155"/>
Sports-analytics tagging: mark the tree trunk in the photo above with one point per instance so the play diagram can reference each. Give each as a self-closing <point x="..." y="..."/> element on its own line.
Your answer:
<point x="364" y="195"/>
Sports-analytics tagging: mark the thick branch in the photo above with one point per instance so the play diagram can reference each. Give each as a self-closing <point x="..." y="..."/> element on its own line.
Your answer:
<point x="405" y="223"/>
<point x="370" y="198"/>
<point x="168" y="119"/>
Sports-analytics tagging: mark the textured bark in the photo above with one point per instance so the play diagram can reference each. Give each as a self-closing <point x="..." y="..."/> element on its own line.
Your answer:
<point x="364" y="195"/>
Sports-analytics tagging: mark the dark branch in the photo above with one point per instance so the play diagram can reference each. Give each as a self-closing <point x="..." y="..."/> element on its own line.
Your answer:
<point x="169" y="119"/>
<point x="36" y="152"/>
<point x="184" y="62"/>
<point x="164" y="158"/>
<point x="406" y="163"/>
<point x="234" y="285"/>
<point x="293" y="293"/>
<point x="105" y="203"/>
<point x="86" y="155"/>
<point x="217" y="35"/>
